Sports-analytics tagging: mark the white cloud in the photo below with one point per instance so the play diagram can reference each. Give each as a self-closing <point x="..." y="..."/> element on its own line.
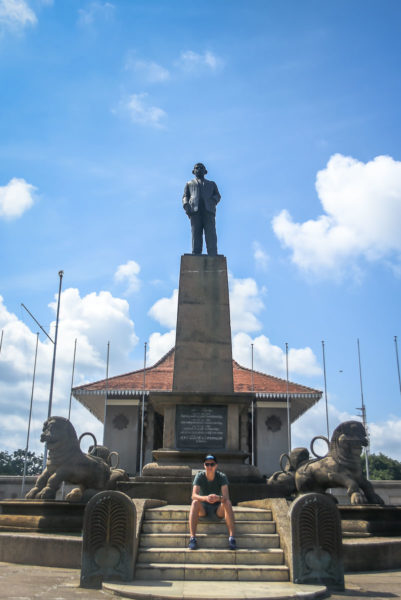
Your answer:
<point x="260" y="256"/>
<point x="160" y="344"/>
<point x="16" y="14"/>
<point x="15" y="198"/>
<point x="362" y="218"/>
<point x="94" y="320"/>
<point x="151" y="71"/>
<point x="129" y="273"/>
<point x="142" y="113"/>
<point x="385" y="437"/>
<point x="271" y="359"/>
<point x="313" y="423"/>
<point x="193" y="61"/>
<point x="94" y="11"/>
<point x="245" y="304"/>
<point x="165" y="310"/>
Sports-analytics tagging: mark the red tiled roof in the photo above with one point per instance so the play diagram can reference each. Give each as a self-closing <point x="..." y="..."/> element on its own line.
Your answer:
<point x="159" y="377"/>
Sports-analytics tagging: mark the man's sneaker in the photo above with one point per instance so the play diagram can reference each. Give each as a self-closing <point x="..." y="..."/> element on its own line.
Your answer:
<point x="192" y="543"/>
<point x="232" y="543"/>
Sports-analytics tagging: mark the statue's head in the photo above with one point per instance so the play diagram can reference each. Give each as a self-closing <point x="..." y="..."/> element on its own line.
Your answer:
<point x="58" y="431"/>
<point x="347" y="441"/>
<point x="199" y="170"/>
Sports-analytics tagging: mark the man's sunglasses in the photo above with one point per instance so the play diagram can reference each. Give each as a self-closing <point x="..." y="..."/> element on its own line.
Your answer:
<point x="209" y="464"/>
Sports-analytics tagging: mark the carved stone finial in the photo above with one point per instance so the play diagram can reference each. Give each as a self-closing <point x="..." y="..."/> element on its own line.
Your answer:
<point x="317" y="541"/>
<point x="108" y="539"/>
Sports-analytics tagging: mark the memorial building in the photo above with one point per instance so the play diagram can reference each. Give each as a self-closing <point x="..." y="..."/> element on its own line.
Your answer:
<point x="196" y="397"/>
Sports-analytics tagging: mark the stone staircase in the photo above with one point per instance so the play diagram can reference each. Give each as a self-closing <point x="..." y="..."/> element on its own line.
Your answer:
<point x="163" y="550"/>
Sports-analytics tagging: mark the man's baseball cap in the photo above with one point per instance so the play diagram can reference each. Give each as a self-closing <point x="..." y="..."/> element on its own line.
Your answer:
<point x="210" y="457"/>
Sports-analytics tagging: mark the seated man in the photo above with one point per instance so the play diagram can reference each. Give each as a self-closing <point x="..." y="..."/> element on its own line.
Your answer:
<point x="210" y="498"/>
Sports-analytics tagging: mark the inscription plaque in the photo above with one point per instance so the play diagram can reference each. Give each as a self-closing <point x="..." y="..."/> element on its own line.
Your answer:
<point x="201" y="427"/>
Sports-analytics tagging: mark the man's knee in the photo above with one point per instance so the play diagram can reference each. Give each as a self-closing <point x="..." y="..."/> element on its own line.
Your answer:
<point x="195" y="505"/>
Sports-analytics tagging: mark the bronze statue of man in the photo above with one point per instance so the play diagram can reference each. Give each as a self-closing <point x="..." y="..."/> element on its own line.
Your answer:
<point x="199" y="202"/>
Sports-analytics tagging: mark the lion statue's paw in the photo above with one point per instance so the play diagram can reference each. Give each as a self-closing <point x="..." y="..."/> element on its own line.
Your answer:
<point x="357" y="498"/>
<point x="31" y="494"/>
<point x="74" y="496"/>
<point x="46" y="494"/>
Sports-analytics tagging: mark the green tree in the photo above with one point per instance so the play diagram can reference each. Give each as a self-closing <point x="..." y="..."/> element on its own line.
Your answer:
<point x="382" y="467"/>
<point x="13" y="463"/>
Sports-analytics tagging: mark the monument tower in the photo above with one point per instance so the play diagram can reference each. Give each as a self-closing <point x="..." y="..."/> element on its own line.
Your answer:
<point x="197" y="398"/>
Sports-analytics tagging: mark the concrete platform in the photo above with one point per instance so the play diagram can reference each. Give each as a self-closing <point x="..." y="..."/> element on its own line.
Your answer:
<point x="201" y="590"/>
<point x="26" y="582"/>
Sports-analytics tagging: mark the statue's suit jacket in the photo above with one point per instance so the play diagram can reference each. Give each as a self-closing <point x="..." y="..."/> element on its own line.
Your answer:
<point x="208" y="191"/>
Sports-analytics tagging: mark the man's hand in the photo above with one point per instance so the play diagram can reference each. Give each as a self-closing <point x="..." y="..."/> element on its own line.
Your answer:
<point x="187" y="209"/>
<point x="212" y="498"/>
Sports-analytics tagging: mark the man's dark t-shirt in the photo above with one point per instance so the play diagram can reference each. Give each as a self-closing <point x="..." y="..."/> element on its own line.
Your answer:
<point x="210" y="487"/>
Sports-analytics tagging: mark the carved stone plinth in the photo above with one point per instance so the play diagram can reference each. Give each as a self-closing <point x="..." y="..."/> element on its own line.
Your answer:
<point x="108" y="539"/>
<point x="316" y="541"/>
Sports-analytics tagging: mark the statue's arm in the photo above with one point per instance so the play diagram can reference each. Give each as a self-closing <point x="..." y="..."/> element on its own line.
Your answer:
<point x="370" y="493"/>
<point x="40" y="483"/>
<point x="216" y="194"/>
<point x="186" y="197"/>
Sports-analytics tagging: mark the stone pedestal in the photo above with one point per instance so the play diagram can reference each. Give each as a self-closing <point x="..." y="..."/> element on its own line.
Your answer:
<point x="195" y="424"/>
<point x="203" y="353"/>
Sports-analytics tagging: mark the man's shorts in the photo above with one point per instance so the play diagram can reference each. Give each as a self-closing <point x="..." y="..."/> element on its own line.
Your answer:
<point x="210" y="510"/>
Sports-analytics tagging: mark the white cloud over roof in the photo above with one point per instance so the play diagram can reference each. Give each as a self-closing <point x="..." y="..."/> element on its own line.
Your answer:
<point x="361" y="219"/>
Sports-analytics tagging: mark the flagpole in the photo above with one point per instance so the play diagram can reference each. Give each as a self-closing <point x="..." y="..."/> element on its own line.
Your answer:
<point x="1" y="340"/>
<point x="107" y="389"/>
<point x="72" y="378"/>
<point x="30" y="416"/>
<point x="363" y="411"/>
<point x="49" y="411"/>
<point x="252" y="412"/>
<point x="288" y="401"/>
<point x="143" y="410"/>
<point x="325" y="391"/>
<point x="398" y="362"/>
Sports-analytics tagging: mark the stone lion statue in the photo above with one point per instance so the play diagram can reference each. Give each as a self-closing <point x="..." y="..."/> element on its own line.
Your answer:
<point x="66" y="462"/>
<point x="341" y="467"/>
<point x="282" y="483"/>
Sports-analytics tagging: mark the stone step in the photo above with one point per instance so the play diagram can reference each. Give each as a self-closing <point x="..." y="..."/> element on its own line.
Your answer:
<point x="270" y="556"/>
<point x="208" y="527"/>
<point x="181" y="540"/>
<point x="180" y="512"/>
<point x="197" y="590"/>
<point x="212" y="572"/>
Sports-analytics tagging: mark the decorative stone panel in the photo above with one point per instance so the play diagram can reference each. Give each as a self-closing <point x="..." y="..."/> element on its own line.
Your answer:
<point x="108" y="539"/>
<point x="317" y="541"/>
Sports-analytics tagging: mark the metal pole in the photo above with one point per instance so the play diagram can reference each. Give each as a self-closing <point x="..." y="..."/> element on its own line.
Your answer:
<point x="37" y="322"/>
<point x="325" y="391"/>
<point x="288" y="402"/>
<point x="30" y="417"/>
<point x="143" y="411"/>
<point x="107" y="389"/>
<point x="1" y="340"/>
<point x="398" y="362"/>
<point x="72" y="378"/>
<point x="49" y="411"/>
<point x="252" y="413"/>
<point x="363" y="411"/>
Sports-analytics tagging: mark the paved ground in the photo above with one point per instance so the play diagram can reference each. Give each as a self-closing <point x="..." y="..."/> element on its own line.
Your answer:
<point x="22" y="582"/>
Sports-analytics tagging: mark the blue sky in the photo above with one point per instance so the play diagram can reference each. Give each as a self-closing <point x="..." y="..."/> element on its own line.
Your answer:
<point x="293" y="107"/>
